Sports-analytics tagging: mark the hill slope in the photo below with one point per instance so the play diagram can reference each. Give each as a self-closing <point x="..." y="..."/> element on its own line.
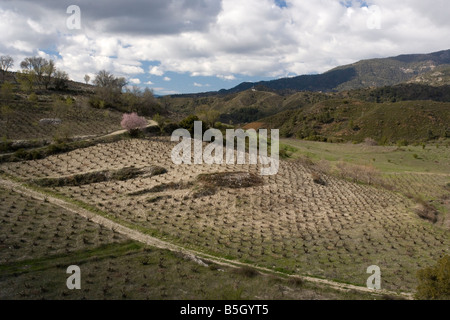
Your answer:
<point x="355" y="120"/>
<point x="365" y="73"/>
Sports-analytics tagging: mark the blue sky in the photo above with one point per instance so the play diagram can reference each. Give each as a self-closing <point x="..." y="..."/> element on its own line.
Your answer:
<point x="187" y="46"/>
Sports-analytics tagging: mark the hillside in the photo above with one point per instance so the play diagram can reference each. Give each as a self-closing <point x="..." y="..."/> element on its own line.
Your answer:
<point x="242" y="107"/>
<point x="341" y="116"/>
<point x="365" y="73"/>
<point x="354" y="120"/>
<point x="440" y="76"/>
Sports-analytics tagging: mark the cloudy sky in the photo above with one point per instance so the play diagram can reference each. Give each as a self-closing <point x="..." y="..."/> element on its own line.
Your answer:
<point x="181" y="46"/>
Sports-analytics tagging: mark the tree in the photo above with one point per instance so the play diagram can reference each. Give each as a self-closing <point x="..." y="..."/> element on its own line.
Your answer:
<point x="144" y="103"/>
<point x="105" y="79"/>
<point x="132" y="98"/>
<point x="35" y="65"/>
<point x="60" y="78"/>
<point x="6" y="62"/>
<point x="149" y="104"/>
<point x="42" y="68"/>
<point x="109" y="88"/>
<point x="48" y="71"/>
<point x="133" y="123"/>
<point x="87" y="78"/>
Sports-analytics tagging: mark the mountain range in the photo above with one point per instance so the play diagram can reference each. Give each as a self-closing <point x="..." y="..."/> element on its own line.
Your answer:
<point x="362" y="74"/>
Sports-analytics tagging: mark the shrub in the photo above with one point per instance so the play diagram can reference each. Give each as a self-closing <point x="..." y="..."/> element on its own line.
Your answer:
<point x="402" y="143"/>
<point x="170" y="127"/>
<point x="188" y="123"/>
<point x="434" y="282"/>
<point x="96" y="102"/>
<point x="246" y="271"/>
<point x="317" y="179"/>
<point x="6" y="91"/>
<point x="286" y="151"/>
<point x="33" y="98"/>
<point x="296" y="282"/>
<point x="133" y="123"/>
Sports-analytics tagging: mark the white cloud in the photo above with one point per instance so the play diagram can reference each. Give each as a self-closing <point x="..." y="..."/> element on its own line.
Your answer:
<point x="160" y="90"/>
<point x="199" y="85"/>
<point x="221" y="38"/>
<point x="148" y="82"/>
<point x="226" y="77"/>
<point x="135" y="81"/>
<point x="156" y="71"/>
<point x="167" y="79"/>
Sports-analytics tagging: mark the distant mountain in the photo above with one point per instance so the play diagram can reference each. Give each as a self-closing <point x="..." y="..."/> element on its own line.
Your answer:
<point x="362" y="74"/>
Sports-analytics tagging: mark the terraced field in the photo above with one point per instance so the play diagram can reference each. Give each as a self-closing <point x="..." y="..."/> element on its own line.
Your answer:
<point x="289" y="223"/>
<point x="39" y="240"/>
<point x="33" y="229"/>
<point x="22" y="122"/>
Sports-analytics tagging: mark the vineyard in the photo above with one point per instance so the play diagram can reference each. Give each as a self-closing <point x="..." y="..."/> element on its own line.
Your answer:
<point x="287" y="223"/>
<point x="39" y="240"/>
<point x="23" y="121"/>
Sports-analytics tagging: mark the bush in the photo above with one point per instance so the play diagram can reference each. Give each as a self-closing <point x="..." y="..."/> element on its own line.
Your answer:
<point x="33" y="98"/>
<point x="6" y="91"/>
<point x="296" y="282"/>
<point x="246" y="271"/>
<point x="96" y="102"/>
<point x="188" y="123"/>
<point x="318" y="179"/>
<point x="402" y="143"/>
<point x="434" y="282"/>
<point x="133" y="123"/>
<point x="170" y="127"/>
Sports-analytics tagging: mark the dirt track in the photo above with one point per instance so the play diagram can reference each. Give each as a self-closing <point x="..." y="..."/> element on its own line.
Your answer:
<point x="194" y="255"/>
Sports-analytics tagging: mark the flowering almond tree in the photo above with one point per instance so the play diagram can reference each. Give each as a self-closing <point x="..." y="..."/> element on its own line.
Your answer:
<point x="133" y="123"/>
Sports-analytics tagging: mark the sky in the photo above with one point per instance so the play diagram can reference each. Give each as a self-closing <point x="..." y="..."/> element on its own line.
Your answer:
<point x="189" y="46"/>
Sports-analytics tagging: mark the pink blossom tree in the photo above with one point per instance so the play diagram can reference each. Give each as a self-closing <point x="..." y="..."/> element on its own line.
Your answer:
<point x="133" y="123"/>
